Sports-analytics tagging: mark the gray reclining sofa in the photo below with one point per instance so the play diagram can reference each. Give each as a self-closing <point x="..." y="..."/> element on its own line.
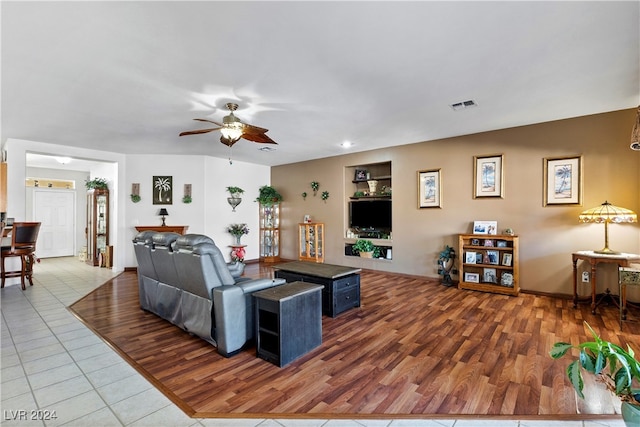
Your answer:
<point x="184" y="279"/>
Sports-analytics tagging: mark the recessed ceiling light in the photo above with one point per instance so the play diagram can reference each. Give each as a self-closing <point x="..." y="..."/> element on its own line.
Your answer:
<point x="346" y="144"/>
<point x="63" y="160"/>
<point x="464" y="104"/>
<point x="266" y="148"/>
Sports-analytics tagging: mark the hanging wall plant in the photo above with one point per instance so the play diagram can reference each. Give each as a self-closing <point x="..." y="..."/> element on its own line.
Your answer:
<point x="135" y="198"/>
<point x="314" y="186"/>
<point x="325" y="195"/>
<point x="304" y="195"/>
<point x="186" y="199"/>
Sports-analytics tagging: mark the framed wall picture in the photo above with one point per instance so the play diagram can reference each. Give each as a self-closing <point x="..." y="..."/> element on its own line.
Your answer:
<point x="162" y="190"/>
<point x="562" y="181"/>
<point x="429" y="189"/>
<point x="488" y="176"/>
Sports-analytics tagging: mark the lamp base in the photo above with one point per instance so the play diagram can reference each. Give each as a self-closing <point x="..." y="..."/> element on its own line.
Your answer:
<point x="606" y="251"/>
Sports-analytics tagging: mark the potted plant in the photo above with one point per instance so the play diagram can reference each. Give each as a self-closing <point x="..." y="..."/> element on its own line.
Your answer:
<point x="445" y="264"/>
<point x="619" y="378"/>
<point x="364" y="247"/>
<point x="96" y="183"/>
<point x="268" y="196"/>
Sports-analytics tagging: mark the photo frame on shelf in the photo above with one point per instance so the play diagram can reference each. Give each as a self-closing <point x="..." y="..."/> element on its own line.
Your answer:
<point x="507" y="259"/>
<point x="488" y="243"/>
<point x="470" y="257"/>
<point x="489" y="275"/>
<point x="485" y="227"/>
<point x="501" y="244"/>
<point x="472" y="277"/>
<point x="562" y="181"/>
<point x="360" y="175"/>
<point x="475" y="242"/>
<point x="488" y="176"/>
<point x="493" y="257"/>
<point x="162" y="187"/>
<point x="429" y="189"/>
<point x="479" y="259"/>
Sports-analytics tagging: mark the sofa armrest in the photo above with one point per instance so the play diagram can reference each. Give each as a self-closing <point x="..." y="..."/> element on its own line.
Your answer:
<point x="251" y="286"/>
<point x="230" y="312"/>
<point x="236" y="269"/>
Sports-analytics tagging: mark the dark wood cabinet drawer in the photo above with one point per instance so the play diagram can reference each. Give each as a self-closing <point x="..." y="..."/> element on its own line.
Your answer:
<point x="347" y="299"/>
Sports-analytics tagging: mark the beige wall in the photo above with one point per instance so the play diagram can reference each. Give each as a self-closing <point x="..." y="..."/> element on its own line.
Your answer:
<point x="548" y="235"/>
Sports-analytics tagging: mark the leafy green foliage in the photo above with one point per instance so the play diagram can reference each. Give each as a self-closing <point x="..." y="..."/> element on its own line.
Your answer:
<point x="594" y="357"/>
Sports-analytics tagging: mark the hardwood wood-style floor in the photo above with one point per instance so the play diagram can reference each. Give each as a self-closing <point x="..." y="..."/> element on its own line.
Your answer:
<point x="413" y="348"/>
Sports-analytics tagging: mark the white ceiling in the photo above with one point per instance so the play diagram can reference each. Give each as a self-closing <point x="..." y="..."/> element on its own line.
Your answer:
<point x="130" y="76"/>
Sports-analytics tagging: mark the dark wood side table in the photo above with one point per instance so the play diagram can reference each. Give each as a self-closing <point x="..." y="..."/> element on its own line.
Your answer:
<point x="593" y="258"/>
<point x="180" y="229"/>
<point x="288" y="321"/>
<point x="341" y="284"/>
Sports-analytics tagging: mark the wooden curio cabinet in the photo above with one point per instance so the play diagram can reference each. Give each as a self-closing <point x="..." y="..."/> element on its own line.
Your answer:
<point x="97" y="224"/>
<point x="270" y="233"/>
<point x="311" y="242"/>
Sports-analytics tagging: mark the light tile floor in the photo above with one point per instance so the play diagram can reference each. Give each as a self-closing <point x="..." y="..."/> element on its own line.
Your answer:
<point x="52" y="364"/>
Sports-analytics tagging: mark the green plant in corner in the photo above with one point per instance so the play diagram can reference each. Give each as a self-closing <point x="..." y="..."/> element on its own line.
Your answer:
<point x="268" y="196"/>
<point x="135" y="198"/>
<point x="619" y="378"/>
<point x="96" y="183"/>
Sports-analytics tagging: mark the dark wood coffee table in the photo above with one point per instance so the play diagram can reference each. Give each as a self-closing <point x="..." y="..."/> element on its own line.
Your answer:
<point x="341" y="284"/>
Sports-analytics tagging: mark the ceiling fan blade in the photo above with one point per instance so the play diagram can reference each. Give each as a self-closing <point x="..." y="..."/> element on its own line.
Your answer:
<point x="253" y="129"/>
<point x="260" y="138"/>
<point x="196" y="132"/>
<point x="209" y="121"/>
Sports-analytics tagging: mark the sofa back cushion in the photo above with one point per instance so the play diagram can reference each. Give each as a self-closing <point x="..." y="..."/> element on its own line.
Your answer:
<point x="163" y="258"/>
<point x="142" y="246"/>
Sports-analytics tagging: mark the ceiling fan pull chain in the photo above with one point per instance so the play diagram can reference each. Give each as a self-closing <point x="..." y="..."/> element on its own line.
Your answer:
<point x="230" y="161"/>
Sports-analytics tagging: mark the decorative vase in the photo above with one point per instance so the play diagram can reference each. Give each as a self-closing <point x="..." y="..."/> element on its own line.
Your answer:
<point x="373" y="186"/>
<point x="238" y="237"/>
<point x="630" y="414"/>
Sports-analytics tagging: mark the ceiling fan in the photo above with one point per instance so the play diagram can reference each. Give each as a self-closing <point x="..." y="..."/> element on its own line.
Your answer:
<point x="233" y="129"/>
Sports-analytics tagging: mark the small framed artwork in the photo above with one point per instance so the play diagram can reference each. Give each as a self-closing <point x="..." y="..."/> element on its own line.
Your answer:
<point x="472" y="277"/>
<point x="485" y="227"/>
<point x="506" y="279"/>
<point x="488" y="177"/>
<point x="562" y="181"/>
<point x="493" y="257"/>
<point x="489" y="275"/>
<point x="361" y="175"/>
<point x="506" y="259"/>
<point x="162" y="190"/>
<point x="475" y="242"/>
<point x="488" y="243"/>
<point x="501" y="243"/>
<point x="429" y="189"/>
<point x="470" y="257"/>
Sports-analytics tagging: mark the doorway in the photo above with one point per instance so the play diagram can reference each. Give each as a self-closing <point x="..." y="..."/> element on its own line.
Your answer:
<point x="55" y="210"/>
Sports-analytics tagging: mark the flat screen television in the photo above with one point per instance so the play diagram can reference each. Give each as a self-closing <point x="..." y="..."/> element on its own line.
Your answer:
<point x="370" y="214"/>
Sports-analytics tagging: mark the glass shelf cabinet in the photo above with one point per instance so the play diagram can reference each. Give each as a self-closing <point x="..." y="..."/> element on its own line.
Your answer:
<point x="311" y="242"/>
<point x="270" y="233"/>
<point x="97" y="225"/>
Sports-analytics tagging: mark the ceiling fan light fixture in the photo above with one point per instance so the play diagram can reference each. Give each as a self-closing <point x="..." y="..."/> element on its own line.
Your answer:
<point x="232" y="131"/>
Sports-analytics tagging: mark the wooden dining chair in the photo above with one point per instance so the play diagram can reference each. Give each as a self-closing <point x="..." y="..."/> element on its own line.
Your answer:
<point x="23" y="244"/>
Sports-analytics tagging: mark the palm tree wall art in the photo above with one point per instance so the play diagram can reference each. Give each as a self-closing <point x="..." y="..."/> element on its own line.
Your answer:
<point x="162" y="190"/>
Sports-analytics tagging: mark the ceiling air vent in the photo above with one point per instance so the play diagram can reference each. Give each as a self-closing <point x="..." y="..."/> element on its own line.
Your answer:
<point x="464" y="104"/>
<point x="266" y="148"/>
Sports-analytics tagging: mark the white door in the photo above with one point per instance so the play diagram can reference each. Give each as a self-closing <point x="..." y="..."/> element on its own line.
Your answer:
<point x="55" y="210"/>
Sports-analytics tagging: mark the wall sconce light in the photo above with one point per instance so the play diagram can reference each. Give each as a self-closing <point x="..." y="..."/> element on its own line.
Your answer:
<point x="606" y="213"/>
<point x="163" y="212"/>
